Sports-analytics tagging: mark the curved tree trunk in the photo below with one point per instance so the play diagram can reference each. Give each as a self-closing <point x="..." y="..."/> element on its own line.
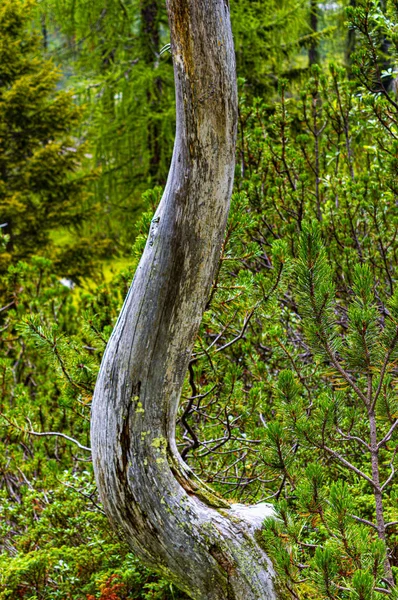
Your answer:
<point x="171" y="520"/>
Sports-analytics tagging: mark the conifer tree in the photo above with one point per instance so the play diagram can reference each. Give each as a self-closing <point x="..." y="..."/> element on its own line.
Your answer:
<point x="40" y="187"/>
<point x="113" y="53"/>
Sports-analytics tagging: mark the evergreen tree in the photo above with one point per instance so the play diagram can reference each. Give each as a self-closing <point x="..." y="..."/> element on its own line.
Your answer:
<point x="42" y="186"/>
<point x="113" y="56"/>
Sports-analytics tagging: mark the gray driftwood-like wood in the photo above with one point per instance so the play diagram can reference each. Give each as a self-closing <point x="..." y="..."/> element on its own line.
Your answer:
<point x="172" y="521"/>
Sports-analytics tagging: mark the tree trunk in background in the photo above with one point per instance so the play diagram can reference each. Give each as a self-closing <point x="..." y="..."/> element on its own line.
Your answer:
<point x="350" y="44"/>
<point x="387" y="56"/>
<point x="149" y="31"/>
<point x="150" y="46"/>
<point x="172" y="521"/>
<point x="313" y="52"/>
<point x="44" y="32"/>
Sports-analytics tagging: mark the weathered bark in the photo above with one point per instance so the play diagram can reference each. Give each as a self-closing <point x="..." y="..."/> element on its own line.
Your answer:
<point x="170" y="519"/>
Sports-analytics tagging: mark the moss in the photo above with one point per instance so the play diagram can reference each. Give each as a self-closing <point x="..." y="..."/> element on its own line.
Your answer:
<point x="258" y="536"/>
<point x="195" y="487"/>
<point x="209" y="497"/>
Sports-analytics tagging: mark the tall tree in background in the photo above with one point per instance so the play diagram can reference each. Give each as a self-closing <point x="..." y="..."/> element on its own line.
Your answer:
<point x="150" y="46"/>
<point x="313" y="51"/>
<point x="266" y="37"/>
<point x="111" y="55"/>
<point x="39" y="160"/>
<point x="350" y="41"/>
<point x="173" y="522"/>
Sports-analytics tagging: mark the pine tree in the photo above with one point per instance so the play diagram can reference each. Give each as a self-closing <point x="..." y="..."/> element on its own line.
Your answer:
<point x="337" y="541"/>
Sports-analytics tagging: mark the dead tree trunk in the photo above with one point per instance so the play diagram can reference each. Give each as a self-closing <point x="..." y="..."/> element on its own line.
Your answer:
<point x="172" y="521"/>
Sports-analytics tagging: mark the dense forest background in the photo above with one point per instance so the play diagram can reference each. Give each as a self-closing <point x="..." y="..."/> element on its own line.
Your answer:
<point x="291" y="395"/>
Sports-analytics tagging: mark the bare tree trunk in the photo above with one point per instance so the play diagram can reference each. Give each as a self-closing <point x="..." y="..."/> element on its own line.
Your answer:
<point x="172" y="521"/>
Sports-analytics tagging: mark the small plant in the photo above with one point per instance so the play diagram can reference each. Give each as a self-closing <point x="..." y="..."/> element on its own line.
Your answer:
<point x="111" y="590"/>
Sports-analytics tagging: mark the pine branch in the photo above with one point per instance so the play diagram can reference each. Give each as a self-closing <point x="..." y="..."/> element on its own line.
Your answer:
<point x="384" y="369"/>
<point x="350" y="466"/>
<point x="388" y="435"/>
<point x="349" y="437"/>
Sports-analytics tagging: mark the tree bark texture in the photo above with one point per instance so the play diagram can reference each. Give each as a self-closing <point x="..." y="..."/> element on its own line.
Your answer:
<point x="173" y="522"/>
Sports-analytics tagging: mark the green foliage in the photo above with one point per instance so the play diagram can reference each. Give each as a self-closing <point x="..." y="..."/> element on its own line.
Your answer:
<point x="291" y="395"/>
<point x="111" y="55"/>
<point x="68" y="550"/>
<point x="310" y="374"/>
<point x="272" y="40"/>
<point x="115" y="58"/>
<point x="56" y="541"/>
<point x="42" y="184"/>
